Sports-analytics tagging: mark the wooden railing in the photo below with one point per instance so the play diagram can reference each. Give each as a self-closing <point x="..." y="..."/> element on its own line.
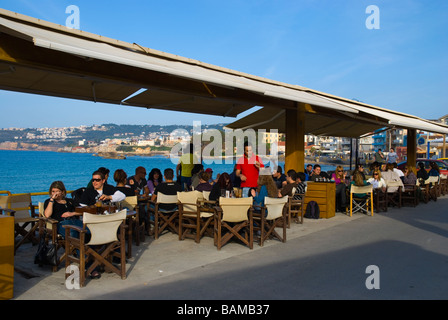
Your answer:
<point x="31" y="193"/>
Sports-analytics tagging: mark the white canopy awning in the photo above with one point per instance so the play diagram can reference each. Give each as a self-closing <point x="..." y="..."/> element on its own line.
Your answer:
<point x="44" y="58"/>
<point x="97" y="48"/>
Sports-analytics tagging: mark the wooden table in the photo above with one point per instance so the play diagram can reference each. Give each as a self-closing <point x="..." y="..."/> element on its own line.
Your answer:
<point x="324" y="193"/>
<point x="131" y="216"/>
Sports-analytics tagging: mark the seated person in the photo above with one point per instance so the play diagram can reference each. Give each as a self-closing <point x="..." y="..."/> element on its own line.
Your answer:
<point x="279" y="177"/>
<point x="211" y="180"/>
<point x="221" y="186"/>
<point x="422" y="173"/>
<point x="236" y="181"/>
<point x="377" y="181"/>
<point x="120" y="178"/>
<point x="100" y="191"/>
<point x="204" y="185"/>
<point x="287" y="190"/>
<point x="359" y="168"/>
<point x="390" y="175"/>
<point x="308" y="170"/>
<point x="359" y="181"/>
<point x="301" y="186"/>
<point x="138" y="182"/>
<point x="434" y="171"/>
<point x="339" y="179"/>
<point x="105" y="171"/>
<point x="168" y="187"/>
<point x="266" y="188"/>
<point x="154" y="179"/>
<point x="398" y="171"/>
<point x="318" y="174"/>
<point x="195" y="173"/>
<point x="410" y="175"/>
<point x="62" y="209"/>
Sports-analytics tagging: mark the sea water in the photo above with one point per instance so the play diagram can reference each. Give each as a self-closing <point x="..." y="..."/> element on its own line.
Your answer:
<point x="34" y="171"/>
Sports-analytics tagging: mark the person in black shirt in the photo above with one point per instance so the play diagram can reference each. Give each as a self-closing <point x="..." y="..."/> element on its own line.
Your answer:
<point x="60" y="208"/>
<point x="224" y="184"/>
<point x="138" y="181"/>
<point x="279" y="178"/>
<point x="422" y="173"/>
<point x="100" y="191"/>
<point x="168" y="187"/>
<point x="120" y="178"/>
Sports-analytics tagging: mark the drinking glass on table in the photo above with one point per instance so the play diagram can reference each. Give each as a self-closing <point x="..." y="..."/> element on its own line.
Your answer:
<point x="98" y="205"/>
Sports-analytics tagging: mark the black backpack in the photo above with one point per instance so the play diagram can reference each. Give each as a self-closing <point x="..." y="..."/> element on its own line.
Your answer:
<point x="312" y="210"/>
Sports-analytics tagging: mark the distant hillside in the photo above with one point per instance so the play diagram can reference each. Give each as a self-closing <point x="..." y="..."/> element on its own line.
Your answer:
<point x="70" y="135"/>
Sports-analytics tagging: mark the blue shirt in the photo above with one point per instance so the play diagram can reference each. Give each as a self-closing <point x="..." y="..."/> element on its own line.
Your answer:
<point x="392" y="157"/>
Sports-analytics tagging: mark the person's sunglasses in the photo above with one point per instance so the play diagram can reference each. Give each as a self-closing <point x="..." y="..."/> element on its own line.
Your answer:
<point x="97" y="180"/>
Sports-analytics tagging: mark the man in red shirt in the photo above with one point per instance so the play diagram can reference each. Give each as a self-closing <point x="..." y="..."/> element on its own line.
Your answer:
<point x="247" y="168"/>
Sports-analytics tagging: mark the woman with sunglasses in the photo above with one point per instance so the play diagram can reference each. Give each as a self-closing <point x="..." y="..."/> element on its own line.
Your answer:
<point x="339" y="179"/>
<point x="377" y="181"/>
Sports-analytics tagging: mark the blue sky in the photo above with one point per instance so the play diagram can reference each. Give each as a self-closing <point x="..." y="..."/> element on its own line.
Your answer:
<point x="320" y="44"/>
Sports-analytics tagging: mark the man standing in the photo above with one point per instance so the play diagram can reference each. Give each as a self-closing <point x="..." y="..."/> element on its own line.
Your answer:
<point x="247" y="168"/>
<point x="392" y="156"/>
<point x="379" y="157"/>
<point x="185" y="166"/>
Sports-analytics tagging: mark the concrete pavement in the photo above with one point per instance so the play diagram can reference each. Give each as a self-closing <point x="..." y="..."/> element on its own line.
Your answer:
<point x="322" y="259"/>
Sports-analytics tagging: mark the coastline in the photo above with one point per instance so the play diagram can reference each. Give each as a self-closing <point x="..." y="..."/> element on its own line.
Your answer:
<point x="124" y="155"/>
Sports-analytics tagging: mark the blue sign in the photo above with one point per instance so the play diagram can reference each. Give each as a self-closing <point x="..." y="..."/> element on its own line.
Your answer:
<point x="421" y="140"/>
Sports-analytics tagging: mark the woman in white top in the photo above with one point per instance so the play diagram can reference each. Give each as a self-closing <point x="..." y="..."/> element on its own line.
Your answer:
<point x="377" y="181"/>
<point x="389" y="176"/>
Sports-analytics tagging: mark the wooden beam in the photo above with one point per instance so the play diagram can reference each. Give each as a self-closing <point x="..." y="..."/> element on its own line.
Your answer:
<point x="412" y="147"/>
<point x="295" y="139"/>
<point x="444" y="147"/>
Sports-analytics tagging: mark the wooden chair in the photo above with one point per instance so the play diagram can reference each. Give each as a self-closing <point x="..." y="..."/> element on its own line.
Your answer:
<point x="233" y="215"/>
<point x="295" y="209"/>
<point x="193" y="221"/>
<point x="394" y="192"/>
<point x="4" y="204"/>
<point x="410" y="194"/>
<point x="102" y="246"/>
<point x="165" y="219"/>
<point x="443" y="184"/>
<point x="363" y="204"/>
<point x="429" y="188"/>
<point x="380" y="200"/>
<point x="48" y="228"/>
<point x="206" y="195"/>
<point x="26" y="221"/>
<point x="136" y="228"/>
<point x="273" y="215"/>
